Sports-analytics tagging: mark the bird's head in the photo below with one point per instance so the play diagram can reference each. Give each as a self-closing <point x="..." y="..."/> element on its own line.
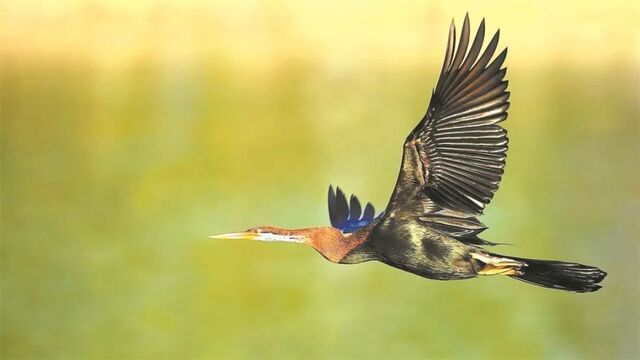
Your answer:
<point x="328" y="241"/>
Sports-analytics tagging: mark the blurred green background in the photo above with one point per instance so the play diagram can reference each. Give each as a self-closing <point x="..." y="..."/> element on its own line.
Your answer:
<point x="132" y="130"/>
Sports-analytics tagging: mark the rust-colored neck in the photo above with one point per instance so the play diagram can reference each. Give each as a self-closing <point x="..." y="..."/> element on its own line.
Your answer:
<point x="328" y="241"/>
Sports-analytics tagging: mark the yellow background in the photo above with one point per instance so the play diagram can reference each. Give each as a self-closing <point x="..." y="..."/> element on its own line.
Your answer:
<point x="131" y="130"/>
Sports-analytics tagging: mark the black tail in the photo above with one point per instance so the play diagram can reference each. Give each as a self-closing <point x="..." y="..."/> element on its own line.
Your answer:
<point x="561" y="275"/>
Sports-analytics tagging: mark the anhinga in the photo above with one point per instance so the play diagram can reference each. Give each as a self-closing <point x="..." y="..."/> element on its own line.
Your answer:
<point x="451" y="166"/>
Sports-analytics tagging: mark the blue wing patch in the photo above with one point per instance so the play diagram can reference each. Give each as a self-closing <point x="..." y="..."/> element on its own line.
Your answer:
<point x="346" y="216"/>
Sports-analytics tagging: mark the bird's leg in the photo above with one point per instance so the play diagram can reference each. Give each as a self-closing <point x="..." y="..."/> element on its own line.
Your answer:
<point x="494" y="265"/>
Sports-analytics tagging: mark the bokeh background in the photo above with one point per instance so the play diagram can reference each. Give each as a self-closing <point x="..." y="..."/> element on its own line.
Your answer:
<point x="131" y="130"/>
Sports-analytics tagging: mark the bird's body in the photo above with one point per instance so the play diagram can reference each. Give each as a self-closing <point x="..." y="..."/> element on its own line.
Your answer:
<point x="419" y="250"/>
<point x="406" y="241"/>
<point x="452" y="164"/>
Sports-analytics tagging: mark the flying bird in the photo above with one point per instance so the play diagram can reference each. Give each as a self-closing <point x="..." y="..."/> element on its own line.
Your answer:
<point x="452" y="163"/>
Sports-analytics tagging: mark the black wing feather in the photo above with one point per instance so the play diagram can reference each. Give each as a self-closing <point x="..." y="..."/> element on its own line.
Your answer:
<point x="338" y="207"/>
<point x="354" y="208"/>
<point x="369" y="212"/>
<point x="346" y="216"/>
<point x="461" y="148"/>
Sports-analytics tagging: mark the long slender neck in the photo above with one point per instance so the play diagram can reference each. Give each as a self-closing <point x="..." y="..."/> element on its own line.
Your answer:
<point x="328" y="241"/>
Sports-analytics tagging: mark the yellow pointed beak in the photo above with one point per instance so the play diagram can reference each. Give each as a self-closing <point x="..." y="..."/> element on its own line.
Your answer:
<point x="236" y="236"/>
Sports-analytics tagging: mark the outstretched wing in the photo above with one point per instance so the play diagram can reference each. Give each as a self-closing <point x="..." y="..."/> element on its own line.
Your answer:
<point x="347" y="216"/>
<point x="457" y="152"/>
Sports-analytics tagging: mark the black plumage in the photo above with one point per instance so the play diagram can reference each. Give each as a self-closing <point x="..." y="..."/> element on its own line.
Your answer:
<point x="461" y="148"/>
